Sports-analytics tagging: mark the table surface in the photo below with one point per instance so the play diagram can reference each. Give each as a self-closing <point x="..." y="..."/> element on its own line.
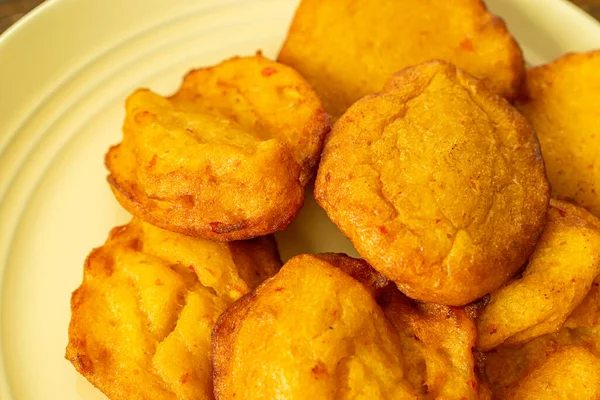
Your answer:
<point x="12" y="10"/>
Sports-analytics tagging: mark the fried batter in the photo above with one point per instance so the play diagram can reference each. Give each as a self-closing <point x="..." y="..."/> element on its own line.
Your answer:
<point x="438" y="183"/>
<point x="569" y="373"/>
<point x="437" y="344"/>
<point x="563" y="105"/>
<point x="226" y="157"/>
<point x="141" y="320"/>
<point x="347" y="49"/>
<point x="315" y="331"/>
<point x="311" y="332"/>
<point x="558" y="277"/>
<point x="562" y="365"/>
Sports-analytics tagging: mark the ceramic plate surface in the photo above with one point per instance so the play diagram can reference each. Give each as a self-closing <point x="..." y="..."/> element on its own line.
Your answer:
<point x="65" y="70"/>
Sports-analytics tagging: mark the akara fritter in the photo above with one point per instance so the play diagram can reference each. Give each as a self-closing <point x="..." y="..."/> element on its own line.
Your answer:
<point x="437" y="343"/>
<point x="563" y="105"/>
<point x="558" y="277"/>
<point x="142" y="318"/>
<point x="563" y="365"/>
<point x="347" y="49"/>
<point x="571" y="372"/>
<point x="438" y="183"/>
<point x="315" y="331"/>
<point x="226" y="157"/>
<point x="311" y="332"/>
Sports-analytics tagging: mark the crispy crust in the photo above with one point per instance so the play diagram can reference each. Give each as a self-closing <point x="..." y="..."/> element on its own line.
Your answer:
<point x="439" y="341"/>
<point x="359" y="270"/>
<point x="353" y="317"/>
<point x="371" y="41"/>
<point x="558" y="277"/>
<point x="434" y="342"/>
<point x="223" y="158"/>
<point x="565" y="364"/>
<point x="141" y="319"/>
<point x="561" y="101"/>
<point x="438" y="183"/>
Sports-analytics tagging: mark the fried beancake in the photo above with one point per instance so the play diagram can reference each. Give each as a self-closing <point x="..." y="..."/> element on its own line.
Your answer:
<point x="347" y="50"/>
<point x="569" y="373"/>
<point x="563" y="105"/>
<point x="554" y="366"/>
<point x="226" y="157"/>
<point x="141" y="320"/>
<point x="310" y="332"/>
<point x="437" y="342"/>
<point x="558" y="277"/>
<point x="316" y="331"/>
<point x="438" y="183"/>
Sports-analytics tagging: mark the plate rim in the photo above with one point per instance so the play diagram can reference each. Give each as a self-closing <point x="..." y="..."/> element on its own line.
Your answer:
<point x="36" y="16"/>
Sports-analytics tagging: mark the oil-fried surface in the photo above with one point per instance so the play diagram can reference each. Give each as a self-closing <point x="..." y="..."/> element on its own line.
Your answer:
<point x="311" y="332"/>
<point x="347" y="49"/>
<point x="142" y="318"/>
<point x="562" y="365"/>
<point x="437" y="344"/>
<point x="569" y="373"/>
<point x="558" y="277"/>
<point x="438" y="183"/>
<point x="316" y="331"/>
<point x="226" y="157"/>
<point x="563" y="105"/>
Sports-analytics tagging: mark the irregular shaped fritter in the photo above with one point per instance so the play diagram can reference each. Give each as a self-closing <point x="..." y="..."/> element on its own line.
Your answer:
<point x="347" y="49"/>
<point x="311" y="332"/>
<point x="437" y="343"/>
<point x="558" y="277"/>
<point x="562" y="365"/>
<point x="316" y="331"/>
<point x="563" y="105"/>
<point x="226" y="157"/>
<point x="438" y="183"/>
<point x="569" y="373"/>
<point x="142" y="318"/>
<point x="587" y="314"/>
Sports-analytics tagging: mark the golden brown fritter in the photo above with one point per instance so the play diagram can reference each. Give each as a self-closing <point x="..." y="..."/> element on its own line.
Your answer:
<point x="226" y="157"/>
<point x="568" y="373"/>
<point x="347" y="49"/>
<point x="437" y="344"/>
<point x="562" y="365"/>
<point x="311" y="332"/>
<point x="316" y="331"/>
<point x="563" y="105"/>
<point x="142" y="318"/>
<point x="558" y="277"/>
<point x="438" y="183"/>
<point x="587" y="314"/>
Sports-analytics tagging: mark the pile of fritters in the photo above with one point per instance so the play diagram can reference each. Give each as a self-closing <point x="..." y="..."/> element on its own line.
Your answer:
<point x="467" y="185"/>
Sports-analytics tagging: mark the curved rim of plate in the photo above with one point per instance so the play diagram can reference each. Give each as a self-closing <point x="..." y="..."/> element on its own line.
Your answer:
<point x="22" y="22"/>
<point x="34" y="14"/>
<point x="37" y="16"/>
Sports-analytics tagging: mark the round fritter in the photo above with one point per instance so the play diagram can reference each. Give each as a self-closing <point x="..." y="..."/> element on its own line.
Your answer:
<point x="311" y="332"/>
<point x="142" y="318"/>
<point x="563" y="105"/>
<point x="348" y="49"/>
<point x="437" y="343"/>
<point x="558" y="277"/>
<point x="438" y="183"/>
<point x="226" y="157"/>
